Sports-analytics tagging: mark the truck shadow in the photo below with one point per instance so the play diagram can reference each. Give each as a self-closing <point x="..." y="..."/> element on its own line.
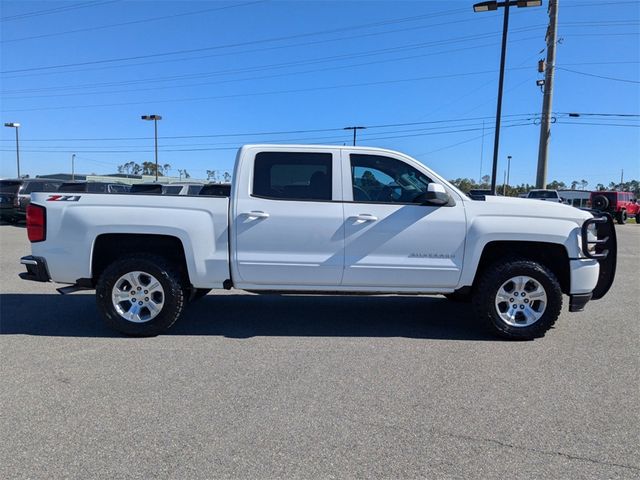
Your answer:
<point x="247" y="316"/>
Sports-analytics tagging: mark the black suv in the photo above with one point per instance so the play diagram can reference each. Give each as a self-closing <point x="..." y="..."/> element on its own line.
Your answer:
<point x="15" y="195"/>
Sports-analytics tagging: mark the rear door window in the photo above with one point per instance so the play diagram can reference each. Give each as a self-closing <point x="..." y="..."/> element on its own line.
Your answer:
<point x="293" y="176"/>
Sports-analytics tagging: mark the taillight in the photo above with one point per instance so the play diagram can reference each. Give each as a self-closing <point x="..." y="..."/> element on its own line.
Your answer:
<point x="36" y="223"/>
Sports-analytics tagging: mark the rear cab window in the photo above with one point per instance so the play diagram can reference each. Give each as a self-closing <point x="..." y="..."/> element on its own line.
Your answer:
<point x="303" y="176"/>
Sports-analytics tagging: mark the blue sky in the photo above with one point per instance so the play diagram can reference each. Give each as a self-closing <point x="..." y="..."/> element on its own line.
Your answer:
<point x="78" y="75"/>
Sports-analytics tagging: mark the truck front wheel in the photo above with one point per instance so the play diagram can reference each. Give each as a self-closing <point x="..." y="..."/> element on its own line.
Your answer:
<point x="140" y="295"/>
<point x="622" y="217"/>
<point x="519" y="299"/>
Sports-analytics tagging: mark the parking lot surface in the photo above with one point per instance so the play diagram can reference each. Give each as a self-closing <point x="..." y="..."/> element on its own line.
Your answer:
<point x="250" y="386"/>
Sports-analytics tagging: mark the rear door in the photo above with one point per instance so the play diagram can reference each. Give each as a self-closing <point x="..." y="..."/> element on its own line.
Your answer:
<point x="391" y="240"/>
<point x="287" y="220"/>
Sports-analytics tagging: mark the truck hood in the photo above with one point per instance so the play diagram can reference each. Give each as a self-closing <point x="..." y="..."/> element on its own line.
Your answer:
<point x="526" y="207"/>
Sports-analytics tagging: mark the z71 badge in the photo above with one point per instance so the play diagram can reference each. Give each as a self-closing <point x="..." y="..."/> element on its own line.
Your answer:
<point x="63" y="198"/>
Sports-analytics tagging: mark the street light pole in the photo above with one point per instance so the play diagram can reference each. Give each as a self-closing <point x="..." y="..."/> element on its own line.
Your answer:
<point x="490" y="6"/>
<point x="496" y="136"/>
<point x="16" y="126"/>
<point x="73" y="169"/>
<point x="504" y="192"/>
<point x="155" y="119"/>
<point x="355" y="129"/>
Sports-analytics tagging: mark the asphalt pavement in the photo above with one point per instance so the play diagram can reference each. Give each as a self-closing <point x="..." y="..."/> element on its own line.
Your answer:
<point x="268" y="386"/>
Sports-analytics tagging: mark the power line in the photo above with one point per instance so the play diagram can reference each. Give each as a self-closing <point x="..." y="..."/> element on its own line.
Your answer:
<point x="155" y="79"/>
<point x="255" y="94"/>
<point x="50" y="11"/>
<point x="255" y="50"/>
<point x="598" y="76"/>
<point x="277" y="66"/>
<point x="281" y="132"/>
<point x="240" y="44"/>
<point x="599" y="124"/>
<point x="132" y="22"/>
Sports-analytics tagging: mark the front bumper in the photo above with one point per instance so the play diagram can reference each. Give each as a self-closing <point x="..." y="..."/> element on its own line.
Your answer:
<point x="36" y="269"/>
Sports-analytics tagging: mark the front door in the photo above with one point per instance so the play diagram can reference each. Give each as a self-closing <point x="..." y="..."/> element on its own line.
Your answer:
<point x="391" y="240"/>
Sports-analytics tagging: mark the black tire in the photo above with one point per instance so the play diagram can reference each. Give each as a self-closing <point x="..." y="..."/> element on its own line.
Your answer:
<point x="167" y="276"/>
<point x="621" y="218"/>
<point x="600" y="202"/>
<point x="495" y="276"/>
<point x="637" y="217"/>
<point x="458" y="297"/>
<point x="198" y="293"/>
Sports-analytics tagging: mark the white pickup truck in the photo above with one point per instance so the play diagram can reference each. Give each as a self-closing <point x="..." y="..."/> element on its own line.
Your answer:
<point x="324" y="219"/>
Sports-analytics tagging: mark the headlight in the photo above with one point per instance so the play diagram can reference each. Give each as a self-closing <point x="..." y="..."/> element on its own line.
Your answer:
<point x="592" y="235"/>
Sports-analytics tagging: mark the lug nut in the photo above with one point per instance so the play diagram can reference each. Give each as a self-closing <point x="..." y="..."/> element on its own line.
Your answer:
<point x="146" y="299"/>
<point x="511" y="300"/>
<point x="146" y="291"/>
<point x="526" y="300"/>
<point x="140" y="303"/>
<point x="521" y="307"/>
<point x="139" y="288"/>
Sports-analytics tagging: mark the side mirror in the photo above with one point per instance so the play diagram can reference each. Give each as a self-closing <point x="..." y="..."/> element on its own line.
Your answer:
<point x="435" y="196"/>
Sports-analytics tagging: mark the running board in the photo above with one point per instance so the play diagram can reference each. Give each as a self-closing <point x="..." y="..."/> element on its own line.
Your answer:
<point x="71" y="289"/>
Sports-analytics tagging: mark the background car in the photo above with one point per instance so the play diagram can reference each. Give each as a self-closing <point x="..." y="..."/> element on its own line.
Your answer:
<point x="94" y="187"/>
<point x="167" y="188"/>
<point x="16" y="195"/>
<point x="8" y="199"/>
<point x="548" y="195"/>
<point x="621" y="205"/>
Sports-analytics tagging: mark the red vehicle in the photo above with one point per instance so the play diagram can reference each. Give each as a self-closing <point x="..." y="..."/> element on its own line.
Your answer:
<point x="621" y="205"/>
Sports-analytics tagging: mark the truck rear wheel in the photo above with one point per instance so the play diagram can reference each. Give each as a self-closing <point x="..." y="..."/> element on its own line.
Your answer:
<point x="140" y="295"/>
<point x="518" y="300"/>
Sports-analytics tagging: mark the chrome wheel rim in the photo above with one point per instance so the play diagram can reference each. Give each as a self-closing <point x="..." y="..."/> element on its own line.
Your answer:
<point x="521" y="301"/>
<point x="137" y="297"/>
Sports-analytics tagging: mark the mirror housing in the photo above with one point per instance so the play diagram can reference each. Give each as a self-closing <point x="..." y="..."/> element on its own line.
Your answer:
<point x="435" y="196"/>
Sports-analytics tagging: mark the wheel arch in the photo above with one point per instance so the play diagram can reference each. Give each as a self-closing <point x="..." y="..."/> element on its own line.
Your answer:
<point x="552" y="255"/>
<point x="109" y="247"/>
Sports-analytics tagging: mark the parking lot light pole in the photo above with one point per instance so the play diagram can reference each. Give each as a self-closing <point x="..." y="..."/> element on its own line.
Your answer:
<point x="16" y="126"/>
<point x="486" y="7"/>
<point x="155" y="119"/>
<point x="508" y="174"/>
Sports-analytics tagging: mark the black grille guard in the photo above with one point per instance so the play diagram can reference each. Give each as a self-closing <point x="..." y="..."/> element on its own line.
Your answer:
<point x="606" y="250"/>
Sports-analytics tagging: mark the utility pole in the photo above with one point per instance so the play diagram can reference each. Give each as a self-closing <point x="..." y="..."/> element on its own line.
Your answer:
<point x="547" y="99"/>
<point x="621" y="178"/>
<point x="355" y="129"/>
<point x="73" y="175"/>
<point x="481" y="154"/>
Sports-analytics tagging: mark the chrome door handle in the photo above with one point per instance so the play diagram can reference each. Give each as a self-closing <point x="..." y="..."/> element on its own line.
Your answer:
<point x="365" y="217"/>
<point x="257" y="214"/>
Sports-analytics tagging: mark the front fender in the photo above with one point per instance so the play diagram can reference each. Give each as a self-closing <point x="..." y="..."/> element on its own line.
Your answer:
<point x="483" y="230"/>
